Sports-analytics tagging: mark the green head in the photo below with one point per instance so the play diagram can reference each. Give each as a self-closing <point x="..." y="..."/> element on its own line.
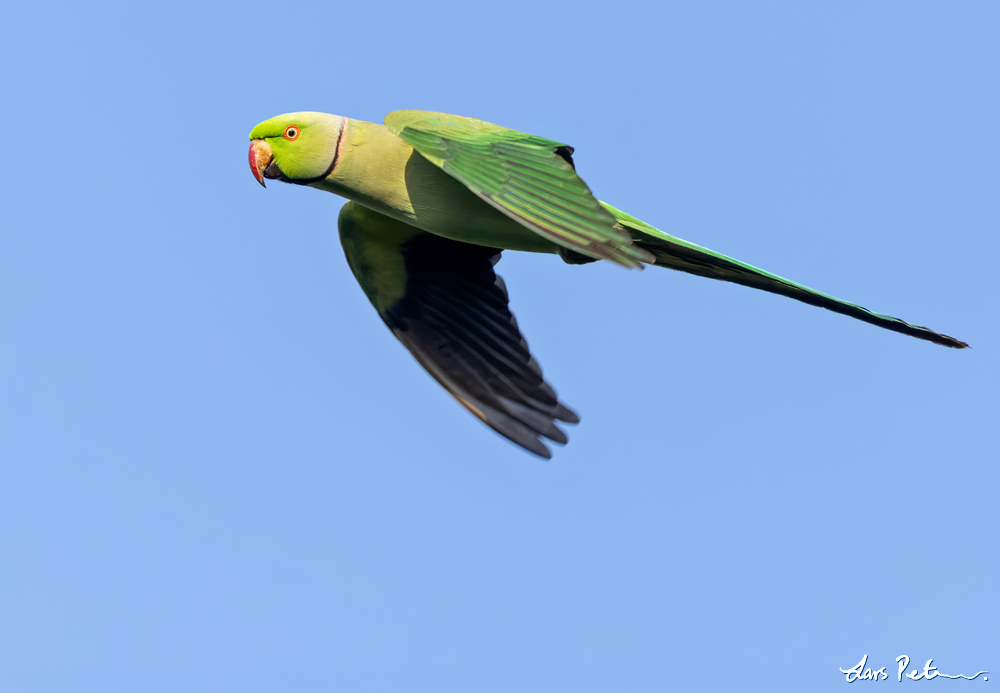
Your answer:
<point x="295" y="147"/>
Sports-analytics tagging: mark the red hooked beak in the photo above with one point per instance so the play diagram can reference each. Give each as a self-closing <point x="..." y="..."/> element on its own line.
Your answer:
<point x="260" y="159"/>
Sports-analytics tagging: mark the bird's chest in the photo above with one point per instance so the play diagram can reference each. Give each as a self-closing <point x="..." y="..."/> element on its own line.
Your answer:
<point x="405" y="186"/>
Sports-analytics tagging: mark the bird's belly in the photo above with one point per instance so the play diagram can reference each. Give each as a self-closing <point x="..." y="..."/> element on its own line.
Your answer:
<point x="442" y="205"/>
<point x="480" y="223"/>
<point x="414" y="191"/>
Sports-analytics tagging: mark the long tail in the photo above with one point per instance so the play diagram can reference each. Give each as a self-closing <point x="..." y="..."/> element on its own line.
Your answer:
<point x="678" y="254"/>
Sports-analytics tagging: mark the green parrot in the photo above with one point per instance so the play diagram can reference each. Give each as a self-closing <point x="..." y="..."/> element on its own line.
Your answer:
<point x="434" y="199"/>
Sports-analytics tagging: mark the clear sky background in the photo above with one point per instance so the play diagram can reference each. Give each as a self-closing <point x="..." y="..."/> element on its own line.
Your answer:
<point x="220" y="472"/>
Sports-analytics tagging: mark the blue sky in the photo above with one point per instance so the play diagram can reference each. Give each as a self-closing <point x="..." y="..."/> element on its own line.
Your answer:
<point x="219" y="471"/>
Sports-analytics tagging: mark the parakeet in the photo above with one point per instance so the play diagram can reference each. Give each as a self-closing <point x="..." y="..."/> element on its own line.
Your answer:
<point x="433" y="200"/>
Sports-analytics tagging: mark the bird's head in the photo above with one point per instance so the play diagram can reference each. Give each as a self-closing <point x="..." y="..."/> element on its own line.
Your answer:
<point x="295" y="147"/>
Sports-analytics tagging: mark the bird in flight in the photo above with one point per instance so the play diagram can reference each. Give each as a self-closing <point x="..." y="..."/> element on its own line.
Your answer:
<point x="434" y="199"/>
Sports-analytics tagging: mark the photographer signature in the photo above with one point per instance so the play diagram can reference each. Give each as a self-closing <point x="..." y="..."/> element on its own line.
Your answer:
<point x="859" y="672"/>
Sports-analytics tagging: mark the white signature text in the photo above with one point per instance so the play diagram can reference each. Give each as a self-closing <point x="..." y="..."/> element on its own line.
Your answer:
<point x="860" y="672"/>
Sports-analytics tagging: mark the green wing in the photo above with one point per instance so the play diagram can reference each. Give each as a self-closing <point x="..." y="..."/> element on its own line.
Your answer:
<point x="530" y="179"/>
<point x="443" y="301"/>
<point x="679" y="254"/>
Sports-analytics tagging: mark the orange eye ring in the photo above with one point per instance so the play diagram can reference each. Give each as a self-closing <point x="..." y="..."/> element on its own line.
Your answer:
<point x="292" y="132"/>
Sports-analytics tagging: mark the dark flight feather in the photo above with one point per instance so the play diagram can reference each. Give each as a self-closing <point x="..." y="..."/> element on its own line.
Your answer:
<point x="455" y="320"/>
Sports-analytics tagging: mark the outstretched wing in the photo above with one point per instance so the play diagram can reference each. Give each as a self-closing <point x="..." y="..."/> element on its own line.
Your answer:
<point x="443" y="301"/>
<point x="530" y="179"/>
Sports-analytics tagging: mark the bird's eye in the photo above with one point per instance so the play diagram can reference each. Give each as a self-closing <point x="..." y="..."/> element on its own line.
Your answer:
<point x="291" y="132"/>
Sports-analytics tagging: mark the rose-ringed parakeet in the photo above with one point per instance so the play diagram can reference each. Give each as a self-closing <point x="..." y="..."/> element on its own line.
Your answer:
<point x="433" y="201"/>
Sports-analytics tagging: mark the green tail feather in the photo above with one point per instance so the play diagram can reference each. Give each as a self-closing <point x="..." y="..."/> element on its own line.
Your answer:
<point x="680" y="255"/>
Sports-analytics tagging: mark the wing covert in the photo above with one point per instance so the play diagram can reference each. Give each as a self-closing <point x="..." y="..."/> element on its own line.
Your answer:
<point x="530" y="179"/>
